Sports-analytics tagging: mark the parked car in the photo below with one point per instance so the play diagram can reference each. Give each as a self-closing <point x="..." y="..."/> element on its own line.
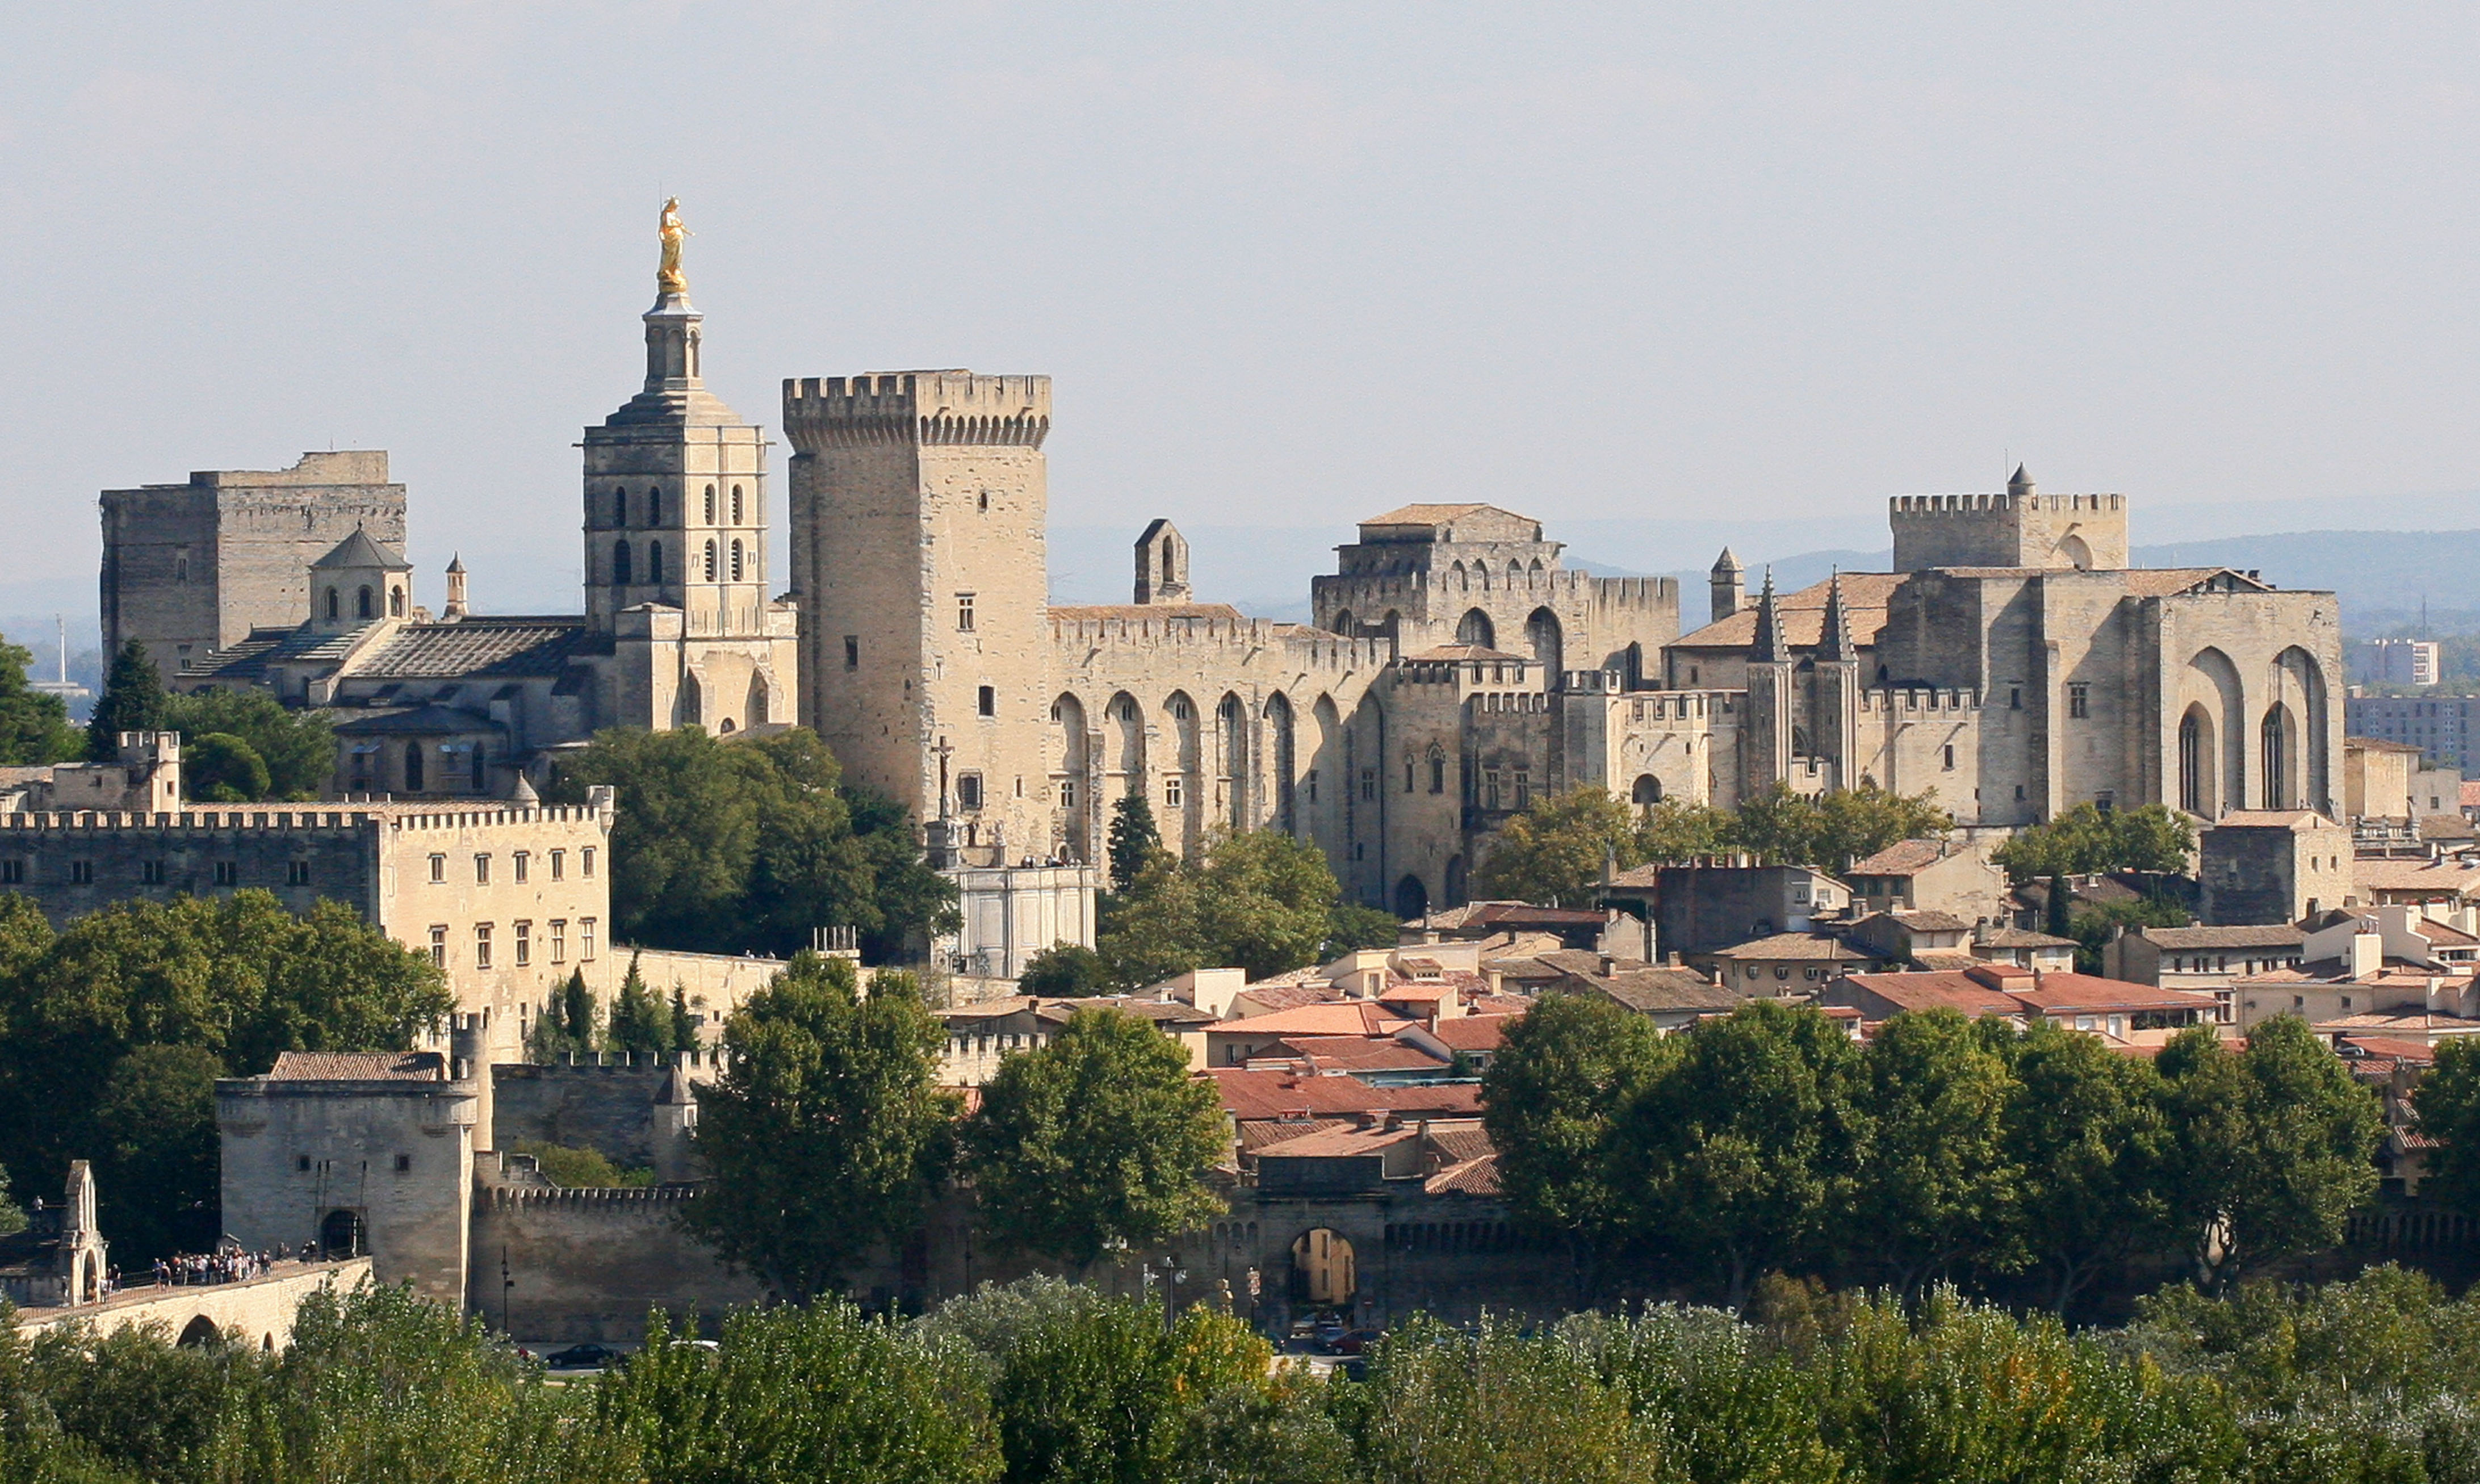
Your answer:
<point x="1354" y="1341"/>
<point x="581" y="1357"/>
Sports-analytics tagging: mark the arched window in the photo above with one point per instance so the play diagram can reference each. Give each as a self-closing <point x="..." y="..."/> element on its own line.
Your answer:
<point x="654" y="507"/>
<point x="736" y="505"/>
<point x="620" y="564"/>
<point x="736" y="561"/>
<point x="1647" y="791"/>
<point x="362" y="603"/>
<point x="334" y="603"/>
<point x="654" y="561"/>
<point x="1474" y="628"/>
<point x="709" y="560"/>
<point x="710" y="504"/>
<point x="619" y="507"/>
<point x="396" y="602"/>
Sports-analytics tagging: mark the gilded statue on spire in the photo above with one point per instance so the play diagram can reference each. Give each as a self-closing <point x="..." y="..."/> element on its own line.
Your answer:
<point x="669" y="280"/>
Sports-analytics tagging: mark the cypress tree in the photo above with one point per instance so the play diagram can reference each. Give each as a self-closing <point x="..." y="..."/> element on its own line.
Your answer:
<point x="133" y="700"/>
<point x="1134" y="838"/>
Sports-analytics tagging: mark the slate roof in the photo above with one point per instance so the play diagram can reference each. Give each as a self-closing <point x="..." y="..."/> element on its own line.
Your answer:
<point x="477" y="646"/>
<point x="359" y="1066"/>
<point x="416" y="721"/>
<point x="358" y="549"/>
<point x="246" y="661"/>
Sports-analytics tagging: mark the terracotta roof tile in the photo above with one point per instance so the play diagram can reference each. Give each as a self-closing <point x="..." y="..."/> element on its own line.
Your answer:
<point x="359" y="1066"/>
<point x="1903" y="859"/>
<point x="1478" y="1177"/>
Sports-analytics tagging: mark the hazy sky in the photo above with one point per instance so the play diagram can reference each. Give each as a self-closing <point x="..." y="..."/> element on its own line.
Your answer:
<point x="1288" y="264"/>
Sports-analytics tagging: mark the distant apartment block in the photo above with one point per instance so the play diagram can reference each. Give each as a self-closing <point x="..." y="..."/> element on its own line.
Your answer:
<point x="2439" y="726"/>
<point x="2397" y="663"/>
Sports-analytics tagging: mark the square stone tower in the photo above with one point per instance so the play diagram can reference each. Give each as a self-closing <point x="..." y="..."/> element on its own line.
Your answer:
<point x="918" y="507"/>
<point x="189" y="568"/>
<point x="2020" y="528"/>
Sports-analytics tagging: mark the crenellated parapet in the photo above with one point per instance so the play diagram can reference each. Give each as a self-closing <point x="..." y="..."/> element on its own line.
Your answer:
<point x="929" y="407"/>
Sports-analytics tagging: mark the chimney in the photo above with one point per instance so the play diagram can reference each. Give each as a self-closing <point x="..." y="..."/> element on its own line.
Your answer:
<point x="2368" y="953"/>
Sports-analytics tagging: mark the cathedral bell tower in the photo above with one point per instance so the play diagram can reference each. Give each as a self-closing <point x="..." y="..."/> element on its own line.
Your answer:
<point x="675" y="498"/>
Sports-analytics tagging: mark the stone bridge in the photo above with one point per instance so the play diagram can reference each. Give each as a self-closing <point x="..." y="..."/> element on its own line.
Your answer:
<point x="258" y="1310"/>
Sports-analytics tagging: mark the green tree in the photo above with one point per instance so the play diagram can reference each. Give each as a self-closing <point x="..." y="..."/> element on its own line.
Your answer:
<point x="1940" y="1185"/>
<point x="1065" y="971"/>
<point x="12" y="1218"/>
<point x="34" y="726"/>
<point x="1498" y="1406"/>
<point x="1102" y="1393"/>
<point x="827" y="1133"/>
<point x="684" y="1023"/>
<point x="1780" y="825"/>
<point x="2272" y="1147"/>
<point x="2093" y="925"/>
<point x="2085" y="1129"/>
<point x="1260" y="901"/>
<point x="239" y="979"/>
<point x="1350" y="925"/>
<point x="1550" y="1100"/>
<point x="2447" y="1101"/>
<point x="1675" y="831"/>
<point x="751" y="843"/>
<point x="2085" y="840"/>
<point x="1094" y="1143"/>
<point x="640" y="1019"/>
<point x="158" y="1168"/>
<point x="133" y="700"/>
<point x="556" y="1032"/>
<point x="1742" y="1152"/>
<point x="1555" y="851"/>
<point x="581" y="1170"/>
<point x="221" y="768"/>
<point x="1853" y="824"/>
<point x="812" y="1392"/>
<point x="298" y="747"/>
<point x="1134" y="842"/>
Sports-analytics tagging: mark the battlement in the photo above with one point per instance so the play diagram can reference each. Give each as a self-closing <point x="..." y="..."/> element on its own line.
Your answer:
<point x="1510" y="702"/>
<point x="1918" y="698"/>
<point x="1681" y="705"/>
<point x="1313" y="648"/>
<point x="398" y="816"/>
<point x="922" y="407"/>
<point x="613" y="1064"/>
<point x="1965" y="505"/>
<point x="2018" y="528"/>
<point x="508" y="1197"/>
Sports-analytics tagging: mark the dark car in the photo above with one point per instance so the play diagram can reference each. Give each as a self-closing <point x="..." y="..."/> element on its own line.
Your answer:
<point x="581" y="1357"/>
<point x="1354" y="1341"/>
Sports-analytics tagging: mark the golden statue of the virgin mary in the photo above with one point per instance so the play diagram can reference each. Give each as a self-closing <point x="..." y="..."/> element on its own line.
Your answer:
<point x="668" y="277"/>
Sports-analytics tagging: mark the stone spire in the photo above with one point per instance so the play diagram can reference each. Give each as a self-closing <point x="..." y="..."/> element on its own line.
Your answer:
<point x="455" y="606"/>
<point x="2020" y="487"/>
<point x="1835" y="643"/>
<point x="1770" y="647"/>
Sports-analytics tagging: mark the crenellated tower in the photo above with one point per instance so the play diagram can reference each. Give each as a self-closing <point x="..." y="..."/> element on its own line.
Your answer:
<point x="919" y="507"/>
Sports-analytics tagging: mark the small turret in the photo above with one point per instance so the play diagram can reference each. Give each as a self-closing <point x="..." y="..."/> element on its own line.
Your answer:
<point x="359" y="582"/>
<point x="2020" y="487"/>
<point x="1730" y="581"/>
<point x="455" y="607"/>
<point x="1162" y="565"/>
